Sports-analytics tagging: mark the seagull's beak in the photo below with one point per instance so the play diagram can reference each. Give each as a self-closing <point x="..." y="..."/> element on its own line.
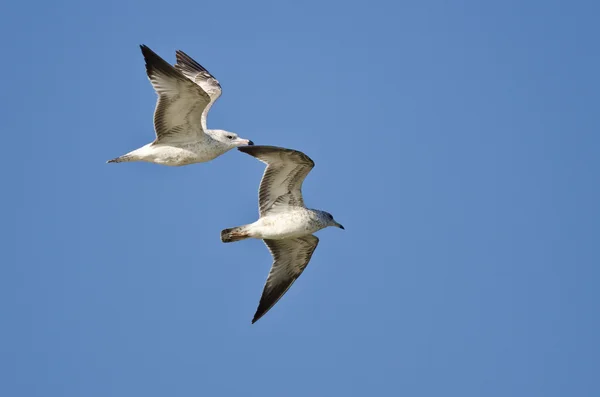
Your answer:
<point x="340" y="226"/>
<point x="243" y="142"/>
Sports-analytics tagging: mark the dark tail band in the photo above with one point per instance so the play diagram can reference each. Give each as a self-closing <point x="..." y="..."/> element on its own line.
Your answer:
<point x="233" y="234"/>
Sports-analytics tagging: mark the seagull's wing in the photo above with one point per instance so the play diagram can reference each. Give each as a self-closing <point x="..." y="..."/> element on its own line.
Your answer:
<point x="290" y="257"/>
<point x="199" y="75"/>
<point x="178" y="113"/>
<point x="281" y="184"/>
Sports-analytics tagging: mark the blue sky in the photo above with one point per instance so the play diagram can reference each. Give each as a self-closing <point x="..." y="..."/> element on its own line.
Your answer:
<point x="456" y="141"/>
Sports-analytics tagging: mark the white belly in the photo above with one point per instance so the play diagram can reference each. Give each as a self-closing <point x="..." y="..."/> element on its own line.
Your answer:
<point x="177" y="155"/>
<point x="283" y="226"/>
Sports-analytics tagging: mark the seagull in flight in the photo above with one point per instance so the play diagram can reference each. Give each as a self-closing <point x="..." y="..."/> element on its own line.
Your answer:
<point x="285" y="224"/>
<point x="186" y="93"/>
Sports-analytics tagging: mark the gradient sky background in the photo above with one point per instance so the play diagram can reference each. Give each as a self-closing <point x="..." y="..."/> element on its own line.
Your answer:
<point x="458" y="143"/>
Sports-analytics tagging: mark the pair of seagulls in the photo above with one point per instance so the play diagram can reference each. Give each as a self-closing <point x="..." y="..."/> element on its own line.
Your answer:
<point x="186" y="93"/>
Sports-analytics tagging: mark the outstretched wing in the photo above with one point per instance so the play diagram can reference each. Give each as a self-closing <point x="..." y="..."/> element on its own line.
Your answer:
<point x="199" y="75"/>
<point x="282" y="180"/>
<point x="180" y="105"/>
<point x="290" y="257"/>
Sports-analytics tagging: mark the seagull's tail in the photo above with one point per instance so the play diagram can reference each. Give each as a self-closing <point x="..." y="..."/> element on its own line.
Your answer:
<point x="234" y="234"/>
<point x="122" y="159"/>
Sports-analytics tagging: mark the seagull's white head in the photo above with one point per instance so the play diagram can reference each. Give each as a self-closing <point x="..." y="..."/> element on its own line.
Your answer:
<point x="328" y="220"/>
<point x="230" y="139"/>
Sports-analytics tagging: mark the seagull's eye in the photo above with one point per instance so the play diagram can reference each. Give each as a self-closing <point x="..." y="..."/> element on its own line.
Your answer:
<point x="229" y="136"/>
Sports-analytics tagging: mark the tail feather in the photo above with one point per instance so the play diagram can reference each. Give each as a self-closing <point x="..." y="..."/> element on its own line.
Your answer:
<point x="234" y="234"/>
<point x="121" y="159"/>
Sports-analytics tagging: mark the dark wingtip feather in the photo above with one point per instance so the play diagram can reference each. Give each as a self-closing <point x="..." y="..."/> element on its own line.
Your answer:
<point x="257" y="150"/>
<point x="146" y="51"/>
<point x="184" y="60"/>
<point x="261" y="149"/>
<point x="257" y="316"/>
<point x="154" y="63"/>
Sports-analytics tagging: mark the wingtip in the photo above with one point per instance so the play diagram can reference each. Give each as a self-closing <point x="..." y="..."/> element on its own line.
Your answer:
<point x="184" y="61"/>
<point x="253" y="147"/>
<point x="260" y="313"/>
<point x="244" y="149"/>
<point x="180" y="57"/>
<point x="157" y="65"/>
<point x="147" y="51"/>
<point x="257" y="150"/>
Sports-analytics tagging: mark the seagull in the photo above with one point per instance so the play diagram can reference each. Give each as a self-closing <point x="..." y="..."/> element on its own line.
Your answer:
<point x="186" y="93"/>
<point x="285" y="224"/>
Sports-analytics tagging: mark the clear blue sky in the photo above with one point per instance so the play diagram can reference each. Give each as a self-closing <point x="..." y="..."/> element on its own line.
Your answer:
<point x="458" y="143"/>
